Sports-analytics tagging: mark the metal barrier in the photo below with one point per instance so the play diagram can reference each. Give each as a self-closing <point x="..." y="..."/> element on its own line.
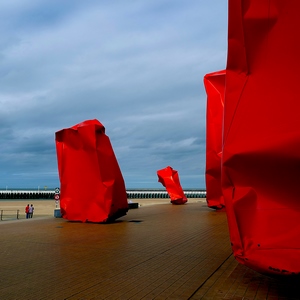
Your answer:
<point x="9" y="216"/>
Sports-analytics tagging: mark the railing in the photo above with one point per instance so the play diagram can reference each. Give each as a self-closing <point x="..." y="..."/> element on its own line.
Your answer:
<point x="9" y="214"/>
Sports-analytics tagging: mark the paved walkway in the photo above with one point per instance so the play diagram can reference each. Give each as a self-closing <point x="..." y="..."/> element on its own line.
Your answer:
<point x="155" y="252"/>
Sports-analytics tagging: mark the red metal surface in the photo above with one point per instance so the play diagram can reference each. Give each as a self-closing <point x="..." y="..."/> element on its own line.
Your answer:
<point x="261" y="152"/>
<point x="169" y="178"/>
<point x="92" y="187"/>
<point x="215" y="89"/>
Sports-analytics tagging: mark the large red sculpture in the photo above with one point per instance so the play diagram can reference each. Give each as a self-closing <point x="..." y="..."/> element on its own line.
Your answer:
<point x="215" y="90"/>
<point x="92" y="186"/>
<point x="169" y="178"/>
<point x="261" y="152"/>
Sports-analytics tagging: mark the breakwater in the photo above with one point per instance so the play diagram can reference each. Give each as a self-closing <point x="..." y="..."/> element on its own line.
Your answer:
<point x="131" y="194"/>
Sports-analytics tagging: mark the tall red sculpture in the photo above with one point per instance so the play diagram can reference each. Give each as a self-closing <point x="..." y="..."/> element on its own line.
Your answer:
<point x="169" y="178"/>
<point x="215" y="89"/>
<point x="261" y="152"/>
<point x="92" y="186"/>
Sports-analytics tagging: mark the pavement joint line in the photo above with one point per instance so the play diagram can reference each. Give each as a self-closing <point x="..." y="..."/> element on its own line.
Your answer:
<point x="209" y="277"/>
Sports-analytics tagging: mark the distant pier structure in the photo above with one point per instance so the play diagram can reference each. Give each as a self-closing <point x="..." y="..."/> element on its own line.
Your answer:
<point x="131" y="194"/>
<point x="161" y="193"/>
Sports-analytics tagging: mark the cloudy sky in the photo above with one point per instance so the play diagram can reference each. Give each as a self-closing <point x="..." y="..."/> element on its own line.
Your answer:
<point x="137" y="66"/>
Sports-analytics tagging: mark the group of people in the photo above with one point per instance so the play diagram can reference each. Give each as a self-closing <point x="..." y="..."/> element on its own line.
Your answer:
<point x="29" y="211"/>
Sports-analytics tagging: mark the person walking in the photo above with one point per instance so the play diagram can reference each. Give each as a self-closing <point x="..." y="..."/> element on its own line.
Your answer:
<point x="31" y="209"/>
<point x="27" y="211"/>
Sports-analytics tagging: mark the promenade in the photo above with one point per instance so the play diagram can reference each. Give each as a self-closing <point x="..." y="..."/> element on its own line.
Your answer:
<point x="160" y="251"/>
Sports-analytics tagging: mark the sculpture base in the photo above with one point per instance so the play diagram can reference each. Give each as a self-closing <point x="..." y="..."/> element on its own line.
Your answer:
<point x="133" y="205"/>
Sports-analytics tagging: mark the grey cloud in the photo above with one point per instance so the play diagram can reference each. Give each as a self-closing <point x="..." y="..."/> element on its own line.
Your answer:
<point x="137" y="67"/>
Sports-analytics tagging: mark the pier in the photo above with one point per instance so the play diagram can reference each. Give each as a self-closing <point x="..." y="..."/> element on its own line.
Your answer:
<point x="131" y="194"/>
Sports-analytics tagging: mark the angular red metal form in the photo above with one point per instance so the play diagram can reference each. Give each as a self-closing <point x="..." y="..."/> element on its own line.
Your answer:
<point x="169" y="178"/>
<point x="261" y="151"/>
<point x="215" y="89"/>
<point x="92" y="188"/>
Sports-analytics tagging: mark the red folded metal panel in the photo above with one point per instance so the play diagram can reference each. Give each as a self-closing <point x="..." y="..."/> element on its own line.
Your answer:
<point x="215" y="89"/>
<point x="169" y="178"/>
<point x="92" y="188"/>
<point x="261" y="151"/>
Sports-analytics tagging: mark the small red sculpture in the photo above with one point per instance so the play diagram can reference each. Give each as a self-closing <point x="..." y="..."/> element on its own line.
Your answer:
<point x="169" y="178"/>
<point x="215" y="90"/>
<point x="92" y="187"/>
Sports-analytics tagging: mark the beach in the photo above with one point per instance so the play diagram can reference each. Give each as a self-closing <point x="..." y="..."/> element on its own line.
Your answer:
<point x="42" y="208"/>
<point x="45" y="208"/>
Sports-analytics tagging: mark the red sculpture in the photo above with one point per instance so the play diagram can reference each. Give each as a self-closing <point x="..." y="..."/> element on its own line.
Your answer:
<point x="215" y="90"/>
<point x="169" y="178"/>
<point x="92" y="186"/>
<point x="261" y="152"/>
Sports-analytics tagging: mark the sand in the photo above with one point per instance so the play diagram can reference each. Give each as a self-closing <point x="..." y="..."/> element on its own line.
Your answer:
<point x="42" y="208"/>
<point x="45" y="208"/>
